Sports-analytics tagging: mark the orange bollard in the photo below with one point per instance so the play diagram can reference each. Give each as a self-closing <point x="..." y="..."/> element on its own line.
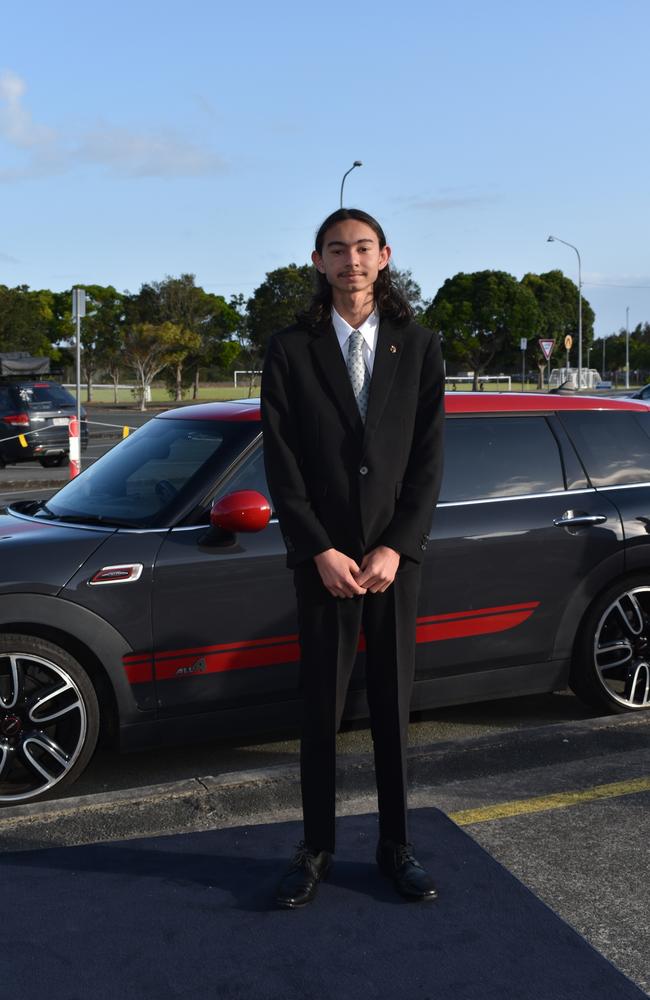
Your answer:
<point x="74" y="447"/>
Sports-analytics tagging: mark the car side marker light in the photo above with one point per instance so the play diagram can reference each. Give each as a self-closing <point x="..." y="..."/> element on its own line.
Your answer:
<point x="23" y="440"/>
<point x="127" y="573"/>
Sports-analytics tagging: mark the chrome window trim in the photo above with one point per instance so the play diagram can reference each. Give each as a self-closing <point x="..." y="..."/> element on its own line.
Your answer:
<point x="519" y="496"/>
<point x="624" y="486"/>
<point x="202" y="527"/>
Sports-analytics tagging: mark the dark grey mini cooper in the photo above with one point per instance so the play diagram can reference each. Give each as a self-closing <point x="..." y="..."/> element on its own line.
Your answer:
<point x="148" y="600"/>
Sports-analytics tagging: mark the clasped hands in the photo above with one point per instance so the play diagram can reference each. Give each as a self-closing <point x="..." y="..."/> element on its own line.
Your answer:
<point x="343" y="577"/>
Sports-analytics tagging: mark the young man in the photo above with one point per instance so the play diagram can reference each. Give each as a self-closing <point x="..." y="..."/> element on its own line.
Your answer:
<point x="352" y="411"/>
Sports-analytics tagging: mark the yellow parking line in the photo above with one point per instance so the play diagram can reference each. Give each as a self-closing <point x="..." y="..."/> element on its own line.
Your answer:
<point x="544" y="803"/>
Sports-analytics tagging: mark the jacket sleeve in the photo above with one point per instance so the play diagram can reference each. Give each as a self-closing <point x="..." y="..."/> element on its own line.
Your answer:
<point x="303" y="533"/>
<point x="408" y="531"/>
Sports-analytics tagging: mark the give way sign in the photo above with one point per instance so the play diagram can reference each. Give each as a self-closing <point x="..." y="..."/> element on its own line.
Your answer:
<point x="547" y="347"/>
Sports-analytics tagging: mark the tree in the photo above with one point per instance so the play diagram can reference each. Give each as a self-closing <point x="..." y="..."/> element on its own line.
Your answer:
<point x="275" y="303"/>
<point x="111" y="360"/>
<point x="249" y="354"/>
<point x="26" y="319"/>
<point x="408" y="286"/>
<point x="482" y="315"/>
<point x="102" y="331"/>
<point x="557" y="298"/>
<point x="182" y="302"/>
<point x="639" y="349"/>
<point x="149" y="348"/>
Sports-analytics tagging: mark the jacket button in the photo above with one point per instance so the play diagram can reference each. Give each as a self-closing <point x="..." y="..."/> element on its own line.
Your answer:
<point x="423" y="547"/>
<point x="364" y="470"/>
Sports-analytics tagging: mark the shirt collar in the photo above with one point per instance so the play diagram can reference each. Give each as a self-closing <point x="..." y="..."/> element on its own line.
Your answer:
<point x="369" y="329"/>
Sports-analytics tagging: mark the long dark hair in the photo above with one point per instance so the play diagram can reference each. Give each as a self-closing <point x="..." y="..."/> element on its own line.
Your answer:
<point x="389" y="301"/>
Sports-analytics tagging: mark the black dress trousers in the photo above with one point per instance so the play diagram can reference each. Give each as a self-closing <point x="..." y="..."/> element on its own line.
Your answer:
<point x="329" y="634"/>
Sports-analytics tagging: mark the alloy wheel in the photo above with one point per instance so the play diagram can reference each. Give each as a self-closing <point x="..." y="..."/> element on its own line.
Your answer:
<point x="621" y="649"/>
<point x="43" y="725"/>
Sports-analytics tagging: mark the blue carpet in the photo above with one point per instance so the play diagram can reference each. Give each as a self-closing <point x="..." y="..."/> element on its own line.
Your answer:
<point x="191" y="916"/>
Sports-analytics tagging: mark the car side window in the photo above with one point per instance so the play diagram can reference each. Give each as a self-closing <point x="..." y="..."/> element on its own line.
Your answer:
<point x="614" y="446"/>
<point x="249" y="476"/>
<point x="489" y="456"/>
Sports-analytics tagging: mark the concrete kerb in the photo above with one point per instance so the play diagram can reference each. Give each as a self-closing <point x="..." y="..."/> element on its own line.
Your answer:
<point x="273" y="793"/>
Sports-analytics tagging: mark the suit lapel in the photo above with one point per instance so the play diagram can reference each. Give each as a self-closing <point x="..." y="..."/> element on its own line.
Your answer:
<point x="388" y="352"/>
<point x="329" y="357"/>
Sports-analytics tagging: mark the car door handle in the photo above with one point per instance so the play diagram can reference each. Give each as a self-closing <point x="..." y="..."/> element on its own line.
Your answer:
<point x="573" y="519"/>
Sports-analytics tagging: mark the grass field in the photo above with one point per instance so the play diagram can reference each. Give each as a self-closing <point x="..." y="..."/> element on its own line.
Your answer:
<point x="161" y="395"/>
<point x="223" y="391"/>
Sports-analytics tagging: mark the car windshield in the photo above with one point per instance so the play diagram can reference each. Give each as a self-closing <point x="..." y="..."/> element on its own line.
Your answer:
<point x="151" y="476"/>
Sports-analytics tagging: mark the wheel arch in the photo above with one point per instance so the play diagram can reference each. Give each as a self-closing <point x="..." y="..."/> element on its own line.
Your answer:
<point x="88" y="659"/>
<point x="628" y="574"/>
<point x="590" y="690"/>
<point x="577" y="607"/>
<point x="96" y="644"/>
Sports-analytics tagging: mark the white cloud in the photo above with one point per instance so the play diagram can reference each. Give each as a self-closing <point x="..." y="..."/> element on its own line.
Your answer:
<point x="43" y="151"/>
<point x="16" y="123"/>
<point x="628" y="280"/>
<point x="446" y="200"/>
<point x="162" y="154"/>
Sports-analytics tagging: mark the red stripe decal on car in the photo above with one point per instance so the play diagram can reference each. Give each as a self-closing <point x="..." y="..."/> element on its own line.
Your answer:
<point x="458" y="628"/>
<point x="138" y="668"/>
<point x="194" y="661"/>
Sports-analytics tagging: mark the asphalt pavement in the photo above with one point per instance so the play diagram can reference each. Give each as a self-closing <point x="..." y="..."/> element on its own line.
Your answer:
<point x="563" y="806"/>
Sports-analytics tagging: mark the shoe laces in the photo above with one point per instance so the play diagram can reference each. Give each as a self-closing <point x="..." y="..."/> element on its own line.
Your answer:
<point x="403" y="853"/>
<point x="304" y="855"/>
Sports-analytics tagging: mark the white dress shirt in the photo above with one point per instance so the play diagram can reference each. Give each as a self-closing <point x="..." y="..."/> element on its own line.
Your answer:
<point x="368" y="329"/>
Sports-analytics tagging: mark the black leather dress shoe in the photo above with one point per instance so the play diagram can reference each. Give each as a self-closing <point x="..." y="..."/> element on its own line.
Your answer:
<point x="410" y="879"/>
<point x="300" y="882"/>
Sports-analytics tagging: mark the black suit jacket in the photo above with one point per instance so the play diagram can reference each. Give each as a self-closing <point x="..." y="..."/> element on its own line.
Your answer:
<point x="335" y="482"/>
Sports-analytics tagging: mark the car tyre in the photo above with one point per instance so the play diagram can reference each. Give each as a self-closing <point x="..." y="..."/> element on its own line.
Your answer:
<point x="611" y="663"/>
<point x="49" y="719"/>
<point x="52" y="461"/>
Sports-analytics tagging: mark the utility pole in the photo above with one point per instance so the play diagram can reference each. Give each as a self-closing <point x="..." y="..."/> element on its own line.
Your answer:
<point x="78" y="312"/>
<point x="627" y="347"/>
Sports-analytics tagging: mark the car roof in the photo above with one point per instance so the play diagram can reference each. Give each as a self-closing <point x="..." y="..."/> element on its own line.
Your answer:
<point x="235" y="409"/>
<point x="455" y="403"/>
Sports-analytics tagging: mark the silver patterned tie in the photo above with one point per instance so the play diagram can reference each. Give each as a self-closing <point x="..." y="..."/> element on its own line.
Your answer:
<point x="359" y="374"/>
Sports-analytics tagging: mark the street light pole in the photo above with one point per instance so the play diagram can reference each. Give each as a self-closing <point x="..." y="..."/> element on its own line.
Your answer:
<point x="627" y="347"/>
<point x="556" y="239"/>
<point x="357" y="163"/>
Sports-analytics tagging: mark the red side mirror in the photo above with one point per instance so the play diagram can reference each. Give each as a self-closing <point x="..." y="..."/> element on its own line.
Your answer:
<point x="245" y="510"/>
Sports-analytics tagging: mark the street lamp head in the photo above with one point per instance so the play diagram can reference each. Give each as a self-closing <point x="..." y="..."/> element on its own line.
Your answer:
<point x="551" y="239"/>
<point x="357" y="163"/>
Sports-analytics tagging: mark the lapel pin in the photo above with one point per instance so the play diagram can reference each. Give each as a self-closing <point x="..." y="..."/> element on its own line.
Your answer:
<point x="393" y="348"/>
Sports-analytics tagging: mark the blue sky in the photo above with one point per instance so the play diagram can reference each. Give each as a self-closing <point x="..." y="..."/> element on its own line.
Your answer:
<point x="150" y="138"/>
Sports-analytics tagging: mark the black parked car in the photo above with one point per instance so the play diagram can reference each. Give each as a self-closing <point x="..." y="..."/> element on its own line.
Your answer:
<point x="148" y="600"/>
<point x="40" y="411"/>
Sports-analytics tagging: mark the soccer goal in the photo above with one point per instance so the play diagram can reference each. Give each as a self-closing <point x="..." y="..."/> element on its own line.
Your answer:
<point x="243" y="376"/>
